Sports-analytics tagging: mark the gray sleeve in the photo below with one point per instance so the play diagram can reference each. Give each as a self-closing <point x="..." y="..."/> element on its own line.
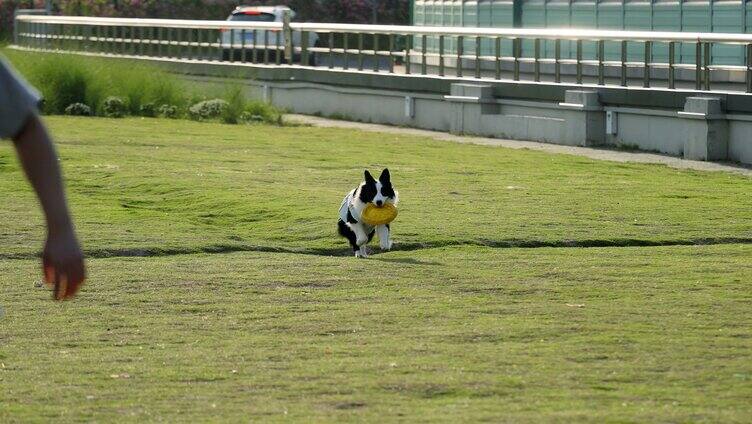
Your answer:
<point x="18" y="101"/>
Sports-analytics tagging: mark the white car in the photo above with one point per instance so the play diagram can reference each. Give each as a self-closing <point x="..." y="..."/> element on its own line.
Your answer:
<point x="261" y="14"/>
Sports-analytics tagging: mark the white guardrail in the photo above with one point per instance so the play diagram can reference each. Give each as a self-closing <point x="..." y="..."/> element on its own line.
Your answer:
<point x="482" y="53"/>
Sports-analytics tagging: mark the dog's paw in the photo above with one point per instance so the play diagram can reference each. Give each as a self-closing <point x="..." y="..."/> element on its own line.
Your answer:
<point x="362" y="253"/>
<point x="386" y="245"/>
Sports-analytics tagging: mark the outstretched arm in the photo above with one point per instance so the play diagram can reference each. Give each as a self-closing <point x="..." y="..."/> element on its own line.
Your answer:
<point x="62" y="258"/>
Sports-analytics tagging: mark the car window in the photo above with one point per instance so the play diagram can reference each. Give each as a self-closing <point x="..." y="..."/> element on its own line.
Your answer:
<point x="255" y="17"/>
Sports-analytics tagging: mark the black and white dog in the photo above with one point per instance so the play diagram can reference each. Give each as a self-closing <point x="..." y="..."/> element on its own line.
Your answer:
<point x="351" y="227"/>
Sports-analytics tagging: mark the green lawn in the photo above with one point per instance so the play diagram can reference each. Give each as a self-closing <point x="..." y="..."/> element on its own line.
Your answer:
<point x="249" y="308"/>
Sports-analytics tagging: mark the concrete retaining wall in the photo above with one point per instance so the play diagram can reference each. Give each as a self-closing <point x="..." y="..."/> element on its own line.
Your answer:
<point x="694" y="125"/>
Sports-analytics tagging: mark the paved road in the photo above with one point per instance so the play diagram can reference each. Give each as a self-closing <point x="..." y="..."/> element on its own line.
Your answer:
<point x="589" y="152"/>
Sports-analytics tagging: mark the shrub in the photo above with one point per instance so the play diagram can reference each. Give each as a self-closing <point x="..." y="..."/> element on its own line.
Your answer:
<point x="248" y="117"/>
<point x="66" y="79"/>
<point x="258" y="111"/>
<point x="115" y="88"/>
<point x="168" y="111"/>
<point x="62" y="82"/>
<point x="148" y="109"/>
<point x="114" y="107"/>
<point x="235" y="106"/>
<point x="142" y="84"/>
<point x="208" y="109"/>
<point x="78" y="109"/>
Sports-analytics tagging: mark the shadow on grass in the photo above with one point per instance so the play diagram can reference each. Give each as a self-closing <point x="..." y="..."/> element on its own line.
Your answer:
<point x="406" y="261"/>
<point x="401" y="247"/>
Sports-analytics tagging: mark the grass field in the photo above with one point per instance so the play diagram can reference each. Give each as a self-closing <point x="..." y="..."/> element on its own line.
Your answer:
<point x="525" y="286"/>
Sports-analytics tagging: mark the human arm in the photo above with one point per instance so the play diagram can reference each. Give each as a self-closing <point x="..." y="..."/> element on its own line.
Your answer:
<point x="62" y="259"/>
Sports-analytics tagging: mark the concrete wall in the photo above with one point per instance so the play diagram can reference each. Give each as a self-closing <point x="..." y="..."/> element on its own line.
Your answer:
<point x="694" y="125"/>
<point x="636" y="126"/>
<point x="740" y="139"/>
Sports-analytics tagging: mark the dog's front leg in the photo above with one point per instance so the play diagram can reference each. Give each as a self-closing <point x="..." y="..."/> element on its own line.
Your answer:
<point x="385" y="240"/>
<point x="361" y="239"/>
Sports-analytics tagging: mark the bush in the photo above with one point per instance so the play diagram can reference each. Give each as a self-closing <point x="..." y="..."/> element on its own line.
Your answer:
<point x="168" y="111"/>
<point x="208" y="109"/>
<point x="114" y="107"/>
<point x="61" y="81"/>
<point x="66" y="79"/>
<point x="258" y="111"/>
<point x="148" y="109"/>
<point x="78" y="109"/>
<point x="116" y="88"/>
<point x="250" y="118"/>
<point x="235" y="106"/>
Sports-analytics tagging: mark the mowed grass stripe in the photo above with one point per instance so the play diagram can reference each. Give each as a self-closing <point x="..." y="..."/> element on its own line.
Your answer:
<point x="466" y="333"/>
<point x="176" y="186"/>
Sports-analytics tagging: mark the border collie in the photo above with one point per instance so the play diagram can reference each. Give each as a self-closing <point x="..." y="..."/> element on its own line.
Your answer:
<point x="351" y="227"/>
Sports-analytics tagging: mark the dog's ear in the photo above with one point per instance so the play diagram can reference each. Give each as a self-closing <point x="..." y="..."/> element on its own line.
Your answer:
<point x="385" y="177"/>
<point x="369" y="177"/>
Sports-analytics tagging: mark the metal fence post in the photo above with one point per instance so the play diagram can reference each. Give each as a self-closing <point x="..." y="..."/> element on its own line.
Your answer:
<point x="537" y="73"/>
<point x="579" y="61"/>
<point x="477" y="57"/>
<point x="391" y="53"/>
<point x="278" y="49"/>
<point x="254" y="52"/>
<point x="345" y="49"/>
<point x="287" y="31"/>
<point x="516" y="47"/>
<point x="266" y="47"/>
<point x="707" y="64"/>
<point x="497" y="57"/>
<point x="232" y="45"/>
<point x="423" y="63"/>
<point x="304" y="40"/>
<point x="408" y="52"/>
<point x="360" y="51"/>
<point x="648" y="58"/>
<point x="331" y="50"/>
<point x="624" y="63"/>
<point x="16" y="22"/>
<point x="671" y="65"/>
<point x="698" y="65"/>
<point x="749" y="68"/>
<point x="557" y="59"/>
<point x="601" y="59"/>
<point x="460" y="53"/>
<point x="441" y="55"/>
<point x="242" y="45"/>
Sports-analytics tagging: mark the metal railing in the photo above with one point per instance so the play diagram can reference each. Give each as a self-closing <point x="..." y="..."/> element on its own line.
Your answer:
<point x="473" y="53"/>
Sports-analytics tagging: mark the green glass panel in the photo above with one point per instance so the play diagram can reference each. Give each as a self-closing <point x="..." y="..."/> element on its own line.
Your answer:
<point x="695" y="18"/>
<point x="611" y="16"/>
<point x="583" y="16"/>
<point x="533" y="16"/>
<point x="727" y="18"/>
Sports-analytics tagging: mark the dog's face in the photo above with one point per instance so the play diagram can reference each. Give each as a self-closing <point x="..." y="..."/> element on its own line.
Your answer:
<point x="378" y="192"/>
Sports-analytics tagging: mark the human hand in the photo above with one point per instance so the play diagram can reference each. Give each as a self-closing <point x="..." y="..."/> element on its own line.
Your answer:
<point x="63" y="264"/>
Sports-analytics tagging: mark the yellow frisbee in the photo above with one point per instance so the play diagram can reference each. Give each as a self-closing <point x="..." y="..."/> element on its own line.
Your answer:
<point x="375" y="215"/>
